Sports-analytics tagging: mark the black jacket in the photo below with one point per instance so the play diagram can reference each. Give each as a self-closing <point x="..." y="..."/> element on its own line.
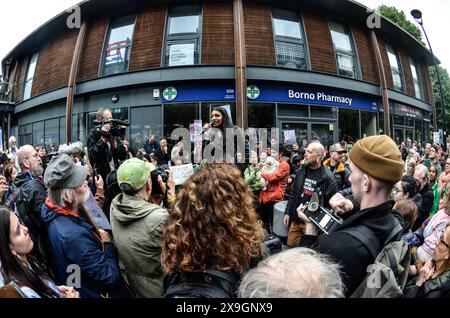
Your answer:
<point x="349" y="251"/>
<point x="425" y="207"/>
<point x="327" y="188"/>
<point x="100" y="154"/>
<point x="438" y="287"/>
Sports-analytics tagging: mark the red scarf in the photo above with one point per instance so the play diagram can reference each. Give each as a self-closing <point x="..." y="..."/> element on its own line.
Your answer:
<point x="57" y="209"/>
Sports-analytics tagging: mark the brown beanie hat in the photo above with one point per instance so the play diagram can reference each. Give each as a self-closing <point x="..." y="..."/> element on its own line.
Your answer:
<point x="379" y="157"/>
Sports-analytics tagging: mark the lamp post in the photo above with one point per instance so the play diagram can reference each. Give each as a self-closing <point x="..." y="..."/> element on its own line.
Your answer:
<point x="417" y="15"/>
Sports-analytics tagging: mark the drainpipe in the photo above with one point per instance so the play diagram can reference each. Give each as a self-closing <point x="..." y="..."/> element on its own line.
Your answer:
<point x="383" y="83"/>
<point x="72" y="81"/>
<point x="240" y="64"/>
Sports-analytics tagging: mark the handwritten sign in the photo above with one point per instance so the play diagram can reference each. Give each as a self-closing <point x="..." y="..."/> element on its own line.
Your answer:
<point x="182" y="173"/>
<point x="289" y="137"/>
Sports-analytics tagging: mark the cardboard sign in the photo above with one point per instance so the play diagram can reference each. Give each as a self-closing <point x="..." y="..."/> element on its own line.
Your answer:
<point x="182" y="173"/>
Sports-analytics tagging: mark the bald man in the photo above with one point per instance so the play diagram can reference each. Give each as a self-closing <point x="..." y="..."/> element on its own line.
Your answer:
<point x="313" y="177"/>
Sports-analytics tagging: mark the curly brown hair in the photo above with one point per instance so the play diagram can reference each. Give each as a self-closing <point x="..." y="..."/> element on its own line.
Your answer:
<point x="213" y="224"/>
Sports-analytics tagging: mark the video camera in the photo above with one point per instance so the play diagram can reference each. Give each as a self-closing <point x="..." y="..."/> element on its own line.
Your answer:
<point x="160" y="171"/>
<point x="117" y="127"/>
<point x="320" y="216"/>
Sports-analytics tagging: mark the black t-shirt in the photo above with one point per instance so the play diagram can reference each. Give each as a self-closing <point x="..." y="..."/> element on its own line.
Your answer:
<point x="310" y="185"/>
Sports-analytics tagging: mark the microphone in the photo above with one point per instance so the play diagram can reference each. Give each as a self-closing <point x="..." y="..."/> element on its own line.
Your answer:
<point x="211" y="123"/>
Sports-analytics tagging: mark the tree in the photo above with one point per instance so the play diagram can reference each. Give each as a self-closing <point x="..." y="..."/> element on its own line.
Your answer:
<point x="399" y="18"/>
<point x="445" y="81"/>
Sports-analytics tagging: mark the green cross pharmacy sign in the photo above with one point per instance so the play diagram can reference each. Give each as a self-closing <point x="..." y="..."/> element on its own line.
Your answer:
<point x="170" y="93"/>
<point x="253" y="92"/>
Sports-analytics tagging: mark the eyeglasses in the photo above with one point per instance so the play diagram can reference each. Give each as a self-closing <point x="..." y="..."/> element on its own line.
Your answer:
<point x="396" y="190"/>
<point x="443" y="242"/>
<point x="36" y="155"/>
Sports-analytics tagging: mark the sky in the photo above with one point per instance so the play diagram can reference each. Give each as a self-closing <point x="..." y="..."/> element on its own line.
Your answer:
<point x="25" y="16"/>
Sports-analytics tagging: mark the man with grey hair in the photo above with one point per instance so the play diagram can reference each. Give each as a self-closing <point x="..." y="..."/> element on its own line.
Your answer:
<point x="74" y="238"/>
<point x="28" y="195"/>
<point x="422" y="182"/>
<point x="11" y="152"/>
<point x="295" y="273"/>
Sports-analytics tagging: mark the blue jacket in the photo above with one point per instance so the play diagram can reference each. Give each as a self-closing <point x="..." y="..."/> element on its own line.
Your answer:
<point x="73" y="241"/>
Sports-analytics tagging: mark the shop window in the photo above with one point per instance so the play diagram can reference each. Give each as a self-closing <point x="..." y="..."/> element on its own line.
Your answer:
<point x="345" y="50"/>
<point x="261" y="115"/>
<point x="51" y="132"/>
<point x="179" y="116"/>
<point x="117" y="50"/>
<point x="416" y="78"/>
<point x="25" y="135"/>
<point x="292" y="110"/>
<point x="396" y="71"/>
<point x="145" y="121"/>
<point x="418" y="131"/>
<point x="62" y="130"/>
<point x="368" y="124"/>
<point x="348" y="125"/>
<point x="323" y="112"/>
<point x="399" y="120"/>
<point x="38" y="133"/>
<point x="183" y="36"/>
<point x="28" y="85"/>
<point x="289" y="39"/>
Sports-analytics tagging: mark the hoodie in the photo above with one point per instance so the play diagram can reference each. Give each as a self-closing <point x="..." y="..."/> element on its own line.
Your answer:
<point x="138" y="228"/>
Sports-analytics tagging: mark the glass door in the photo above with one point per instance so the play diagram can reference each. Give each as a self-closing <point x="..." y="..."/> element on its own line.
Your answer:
<point x="323" y="132"/>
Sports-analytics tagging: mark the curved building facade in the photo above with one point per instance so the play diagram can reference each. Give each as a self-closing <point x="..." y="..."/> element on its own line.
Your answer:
<point x="313" y="68"/>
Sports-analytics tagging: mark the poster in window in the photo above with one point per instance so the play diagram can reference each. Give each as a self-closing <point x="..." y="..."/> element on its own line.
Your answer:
<point x="181" y="54"/>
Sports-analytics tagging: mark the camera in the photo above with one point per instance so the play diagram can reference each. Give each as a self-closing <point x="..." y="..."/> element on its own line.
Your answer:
<point x="117" y="127"/>
<point x="160" y="171"/>
<point x="273" y="244"/>
<point x="320" y="216"/>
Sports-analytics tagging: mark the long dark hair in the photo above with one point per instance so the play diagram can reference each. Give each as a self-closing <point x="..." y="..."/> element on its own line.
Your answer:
<point x="12" y="268"/>
<point x="226" y="120"/>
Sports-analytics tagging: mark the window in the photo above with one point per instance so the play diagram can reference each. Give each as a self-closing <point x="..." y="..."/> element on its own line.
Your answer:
<point x="183" y="36"/>
<point x="395" y="68"/>
<point x="25" y="135"/>
<point x="117" y="50"/>
<point x="261" y="115"/>
<point x="179" y="116"/>
<point x="289" y="39"/>
<point x="146" y="121"/>
<point x="344" y="49"/>
<point x="38" y="133"/>
<point x="348" y="125"/>
<point x="416" y="78"/>
<point x="30" y="75"/>
<point x="51" y="132"/>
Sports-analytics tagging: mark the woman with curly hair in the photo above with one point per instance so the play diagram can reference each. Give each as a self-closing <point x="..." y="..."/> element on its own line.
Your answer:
<point x="212" y="236"/>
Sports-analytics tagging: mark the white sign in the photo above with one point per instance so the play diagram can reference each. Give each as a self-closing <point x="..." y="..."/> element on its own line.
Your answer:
<point x="436" y="138"/>
<point x="181" y="54"/>
<point x="289" y="137"/>
<point x="182" y="173"/>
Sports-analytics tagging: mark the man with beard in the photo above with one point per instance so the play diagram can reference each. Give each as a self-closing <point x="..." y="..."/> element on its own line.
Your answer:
<point x="27" y="197"/>
<point x="313" y="177"/>
<point x="74" y="238"/>
<point x="376" y="165"/>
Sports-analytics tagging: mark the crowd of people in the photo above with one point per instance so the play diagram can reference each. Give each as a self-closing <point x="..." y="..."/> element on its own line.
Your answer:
<point x="108" y="221"/>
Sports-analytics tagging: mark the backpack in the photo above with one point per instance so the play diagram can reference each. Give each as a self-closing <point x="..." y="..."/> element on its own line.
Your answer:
<point x="388" y="274"/>
<point x="209" y="283"/>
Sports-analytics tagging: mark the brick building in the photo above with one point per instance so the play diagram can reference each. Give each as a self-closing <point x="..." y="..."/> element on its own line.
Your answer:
<point x="312" y="67"/>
